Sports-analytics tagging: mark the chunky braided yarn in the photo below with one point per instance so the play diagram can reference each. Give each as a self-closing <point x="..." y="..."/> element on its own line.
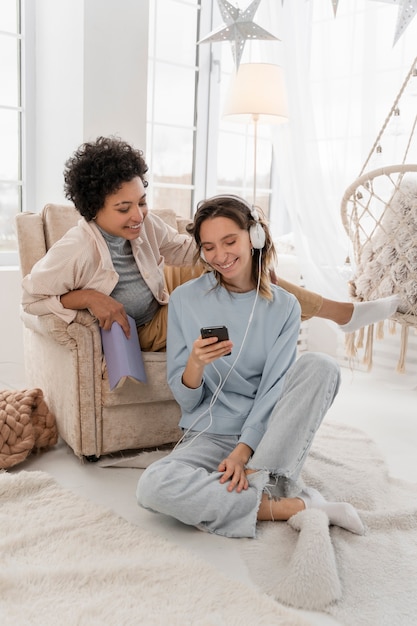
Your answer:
<point x="26" y="424"/>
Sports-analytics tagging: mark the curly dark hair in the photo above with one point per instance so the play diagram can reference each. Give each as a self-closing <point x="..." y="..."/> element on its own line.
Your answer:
<point x="99" y="168"/>
<point x="238" y="210"/>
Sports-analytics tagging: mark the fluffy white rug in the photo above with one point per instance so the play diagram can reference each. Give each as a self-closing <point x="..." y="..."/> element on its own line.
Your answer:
<point x="365" y="581"/>
<point x="67" y="561"/>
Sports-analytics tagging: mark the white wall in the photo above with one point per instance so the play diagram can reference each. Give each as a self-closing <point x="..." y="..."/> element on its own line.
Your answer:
<point x="115" y="69"/>
<point x="59" y="96"/>
<point x="91" y="76"/>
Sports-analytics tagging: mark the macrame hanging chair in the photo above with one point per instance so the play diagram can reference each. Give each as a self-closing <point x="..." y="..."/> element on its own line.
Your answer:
<point x="379" y="214"/>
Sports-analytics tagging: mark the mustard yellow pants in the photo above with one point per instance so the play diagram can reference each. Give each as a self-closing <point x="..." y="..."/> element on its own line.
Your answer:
<point x="153" y="335"/>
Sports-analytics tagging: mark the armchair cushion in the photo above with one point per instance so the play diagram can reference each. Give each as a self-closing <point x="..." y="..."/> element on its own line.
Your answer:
<point x="57" y="219"/>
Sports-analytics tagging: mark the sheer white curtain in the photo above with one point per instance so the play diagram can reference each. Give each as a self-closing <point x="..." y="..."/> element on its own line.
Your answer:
<point x="342" y="76"/>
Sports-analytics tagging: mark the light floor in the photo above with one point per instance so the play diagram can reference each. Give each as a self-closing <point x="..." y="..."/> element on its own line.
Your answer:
<point x="382" y="403"/>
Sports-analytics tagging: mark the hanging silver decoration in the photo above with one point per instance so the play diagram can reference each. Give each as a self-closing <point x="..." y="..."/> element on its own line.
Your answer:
<point x="406" y="12"/>
<point x="407" y="9"/>
<point x="238" y="28"/>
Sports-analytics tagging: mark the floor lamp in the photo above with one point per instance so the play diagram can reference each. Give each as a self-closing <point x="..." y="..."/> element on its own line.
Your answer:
<point x="257" y="95"/>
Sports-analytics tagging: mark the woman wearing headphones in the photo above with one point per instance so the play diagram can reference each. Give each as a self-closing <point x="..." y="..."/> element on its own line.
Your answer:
<point x="249" y="409"/>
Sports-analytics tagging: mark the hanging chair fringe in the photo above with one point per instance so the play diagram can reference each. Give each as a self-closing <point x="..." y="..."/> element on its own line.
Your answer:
<point x="361" y="334"/>
<point x="380" y="330"/>
<point x="403" y="350"/>
<point x="350" y="347"/>
<point x="367" y="359"/>
<point x="392" y="327"/>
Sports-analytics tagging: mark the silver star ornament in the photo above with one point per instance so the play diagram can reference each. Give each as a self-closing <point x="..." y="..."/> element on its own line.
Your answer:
<point x="406" y="12"/>
<point x="407" y="9"/>
<point x="238" y="28"/>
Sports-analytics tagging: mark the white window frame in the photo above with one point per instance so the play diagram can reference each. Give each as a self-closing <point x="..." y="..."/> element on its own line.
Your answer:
<point x="196" y="130"/>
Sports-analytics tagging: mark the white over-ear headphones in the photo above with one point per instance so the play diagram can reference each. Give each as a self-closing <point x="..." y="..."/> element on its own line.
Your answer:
<point x="256" y="232"/>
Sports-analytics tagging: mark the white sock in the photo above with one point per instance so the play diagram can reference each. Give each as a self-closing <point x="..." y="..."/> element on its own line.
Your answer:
<point x="365" y="313"/>
<point x="340" y="514"/>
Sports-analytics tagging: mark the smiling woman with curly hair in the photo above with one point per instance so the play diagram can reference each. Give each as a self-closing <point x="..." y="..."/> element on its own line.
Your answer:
<point x="112" y="262"/>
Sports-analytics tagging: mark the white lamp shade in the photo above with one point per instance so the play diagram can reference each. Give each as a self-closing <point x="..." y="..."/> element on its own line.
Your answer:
<point x="257" y="93"/>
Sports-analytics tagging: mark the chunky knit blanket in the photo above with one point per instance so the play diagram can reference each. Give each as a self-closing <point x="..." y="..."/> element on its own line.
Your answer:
<point x="26" y="425"/>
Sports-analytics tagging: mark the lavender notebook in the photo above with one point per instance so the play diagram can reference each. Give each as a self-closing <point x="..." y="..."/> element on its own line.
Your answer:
<point x="123" y="356"/>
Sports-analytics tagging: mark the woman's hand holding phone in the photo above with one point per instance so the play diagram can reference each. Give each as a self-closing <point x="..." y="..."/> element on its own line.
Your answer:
<point x="222" y="335"/>
<point x="212" y="344"/>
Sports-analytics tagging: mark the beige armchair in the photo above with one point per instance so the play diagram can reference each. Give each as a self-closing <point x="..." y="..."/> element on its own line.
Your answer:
<point x="66" y="362"/>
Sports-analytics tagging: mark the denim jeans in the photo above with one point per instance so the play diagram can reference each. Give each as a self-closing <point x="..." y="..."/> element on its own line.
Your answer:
<point x="185" y="484"/>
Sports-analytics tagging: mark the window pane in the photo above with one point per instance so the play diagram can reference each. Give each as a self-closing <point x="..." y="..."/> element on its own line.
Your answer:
<point x="9" y="149"/>
<point x="8" y="16"/>
<point x="174" y="95"/>
<point x="9" y="206"/>
<point x="233" y="164"/>
<point x="174" y="19"/>
<point x="236" y="166"/>
<point x="177" y="199"/>
<point x="9" y="93"/>
<point x="263" y="200"/>
<point x="263" y="163"/>
<point x="172" y="155"/>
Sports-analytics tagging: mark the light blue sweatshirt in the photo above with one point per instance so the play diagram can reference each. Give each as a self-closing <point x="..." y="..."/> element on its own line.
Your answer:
<point x="254" y="384"/>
